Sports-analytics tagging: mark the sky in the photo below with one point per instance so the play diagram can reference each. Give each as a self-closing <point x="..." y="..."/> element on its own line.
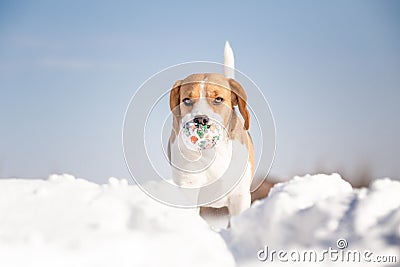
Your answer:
<point x="330" y="71"/>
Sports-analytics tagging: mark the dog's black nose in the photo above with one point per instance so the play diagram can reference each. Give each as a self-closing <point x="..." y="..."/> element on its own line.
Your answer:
<point x="201" y="119"/>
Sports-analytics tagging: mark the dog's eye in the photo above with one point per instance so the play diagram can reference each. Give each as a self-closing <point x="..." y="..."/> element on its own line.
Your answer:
<point x="187" y="101"/>
<point x="218" y="100"/>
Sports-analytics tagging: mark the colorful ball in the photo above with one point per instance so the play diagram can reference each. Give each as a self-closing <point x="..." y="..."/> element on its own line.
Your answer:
<point x="199" y="137"/>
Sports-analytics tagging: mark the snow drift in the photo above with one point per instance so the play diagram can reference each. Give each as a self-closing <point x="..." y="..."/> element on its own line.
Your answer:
<point x="72" y="222"/>
<point x="314" y="212"/>
<point x="63" y="221"/>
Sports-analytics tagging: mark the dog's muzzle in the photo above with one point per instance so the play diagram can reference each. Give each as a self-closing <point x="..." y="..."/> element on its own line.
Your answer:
<point x="201" y="133"/>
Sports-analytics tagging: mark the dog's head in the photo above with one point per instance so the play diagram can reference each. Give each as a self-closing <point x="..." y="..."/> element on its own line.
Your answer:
<point x="207" y="99"/>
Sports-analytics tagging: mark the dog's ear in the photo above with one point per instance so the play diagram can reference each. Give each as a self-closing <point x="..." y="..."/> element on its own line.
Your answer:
<point x="239" y="98"/>
<point x="174" y="98"/>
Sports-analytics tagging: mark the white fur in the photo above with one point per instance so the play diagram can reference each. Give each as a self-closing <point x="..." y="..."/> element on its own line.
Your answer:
<point x="239" y="198"/>
<point x="211" y="164"/>
<point x="202" y="107"/>
<point x="229" y="61"/>
<point x="199" y="168"/>
<point x="203" y="89"/>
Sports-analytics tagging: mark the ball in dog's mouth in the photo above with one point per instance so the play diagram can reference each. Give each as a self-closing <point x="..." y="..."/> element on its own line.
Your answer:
<point x="197" y="136"/>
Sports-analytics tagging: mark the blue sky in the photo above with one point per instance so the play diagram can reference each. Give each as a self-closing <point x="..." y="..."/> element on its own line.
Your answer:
<point x="329" y="69"/>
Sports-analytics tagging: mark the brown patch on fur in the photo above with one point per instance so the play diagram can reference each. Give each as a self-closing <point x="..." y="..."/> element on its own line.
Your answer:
<point x="240" y="98"/>
<point x="215" y="85"/>
<point x="251" y="155"/>
<point x="209" y="211"/>
<point x="262" y="191"/>
<point x="174" y="101"/>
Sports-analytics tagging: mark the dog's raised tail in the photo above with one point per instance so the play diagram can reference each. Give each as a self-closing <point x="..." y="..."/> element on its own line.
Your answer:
<point x="229" y="61"/>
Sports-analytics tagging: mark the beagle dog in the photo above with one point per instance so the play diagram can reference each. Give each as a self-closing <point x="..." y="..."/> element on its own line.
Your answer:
<point x="209" y="100"/>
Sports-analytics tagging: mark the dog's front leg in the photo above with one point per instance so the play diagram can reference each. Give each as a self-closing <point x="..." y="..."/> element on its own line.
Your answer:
<point x="238" y="203"/>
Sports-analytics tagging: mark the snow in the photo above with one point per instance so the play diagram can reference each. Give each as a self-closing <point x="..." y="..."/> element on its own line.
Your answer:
<point x="65" y="221"/>
<point x="314" y="212"/>
<point x="71" y="222"/>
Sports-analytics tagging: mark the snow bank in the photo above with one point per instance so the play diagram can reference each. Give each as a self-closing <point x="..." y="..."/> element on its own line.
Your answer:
<point x="65" y="221"/>
<point x="71" y="222"/>
<point x="314" y="212"/>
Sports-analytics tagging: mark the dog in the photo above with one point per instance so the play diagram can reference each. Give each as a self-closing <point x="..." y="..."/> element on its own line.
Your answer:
<point x="207" y="100"/>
